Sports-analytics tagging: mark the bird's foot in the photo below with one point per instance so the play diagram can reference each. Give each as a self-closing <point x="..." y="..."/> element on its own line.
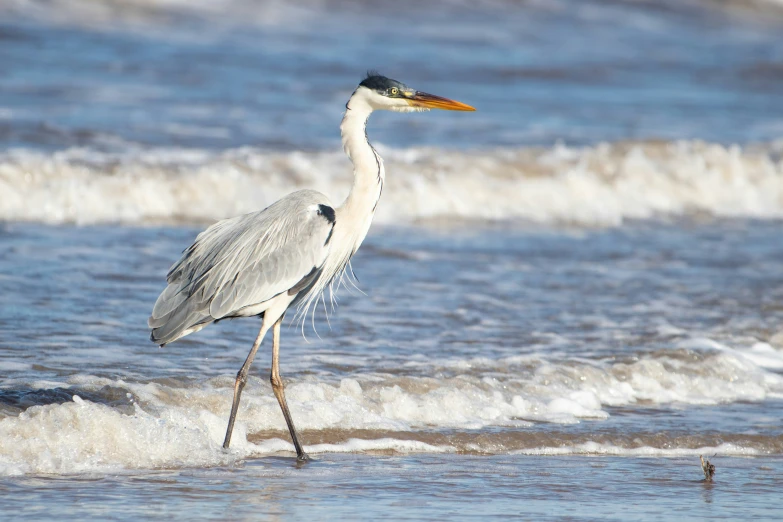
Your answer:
<point x="303" y="458"/>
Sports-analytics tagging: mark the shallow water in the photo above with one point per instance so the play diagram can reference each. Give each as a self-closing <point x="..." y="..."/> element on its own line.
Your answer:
<point x="416" y="487"/>
<point x="649" y="340"/>
<point x="469" y="381"/>
<point x="553" y="327"/>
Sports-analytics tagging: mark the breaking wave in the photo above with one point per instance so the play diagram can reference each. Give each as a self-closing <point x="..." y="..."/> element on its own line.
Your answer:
<point x="93" y="423"/>
<point x="602" y="185"/>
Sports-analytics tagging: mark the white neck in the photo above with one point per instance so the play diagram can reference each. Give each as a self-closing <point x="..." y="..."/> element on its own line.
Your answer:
<point x="358" y="209"/>
<point x="354" y="216"/>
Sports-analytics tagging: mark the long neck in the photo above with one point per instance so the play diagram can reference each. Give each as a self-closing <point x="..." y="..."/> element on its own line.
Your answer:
<point x="368" y="170"/>
<point x="355" y="215"/>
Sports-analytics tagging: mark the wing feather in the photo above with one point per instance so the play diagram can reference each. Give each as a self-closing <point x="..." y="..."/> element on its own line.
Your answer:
<point x="243" y="262"/>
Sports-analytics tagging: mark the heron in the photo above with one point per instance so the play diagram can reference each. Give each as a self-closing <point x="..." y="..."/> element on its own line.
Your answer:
<point x="264" y="263"/>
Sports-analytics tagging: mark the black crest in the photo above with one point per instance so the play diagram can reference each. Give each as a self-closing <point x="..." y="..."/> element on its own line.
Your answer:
<point x="380" y="83"/>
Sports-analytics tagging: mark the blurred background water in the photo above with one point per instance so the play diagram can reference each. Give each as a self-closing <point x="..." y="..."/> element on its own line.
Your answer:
<point x="276" y="74"/>
<point x="572" y="293"/>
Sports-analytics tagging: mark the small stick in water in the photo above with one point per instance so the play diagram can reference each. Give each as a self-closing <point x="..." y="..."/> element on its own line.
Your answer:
<point x="707" y="468"/>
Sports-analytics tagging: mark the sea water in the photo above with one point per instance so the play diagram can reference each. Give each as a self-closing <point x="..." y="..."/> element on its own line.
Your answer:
<point x="568" y="296"/>
<point x="475" y="354"/>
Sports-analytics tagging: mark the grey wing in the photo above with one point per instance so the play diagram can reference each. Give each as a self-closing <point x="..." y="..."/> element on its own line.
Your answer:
<point x="238" y="264"/>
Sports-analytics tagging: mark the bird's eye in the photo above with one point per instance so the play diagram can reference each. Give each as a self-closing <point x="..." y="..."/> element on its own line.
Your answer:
<point x="393" y="91"/>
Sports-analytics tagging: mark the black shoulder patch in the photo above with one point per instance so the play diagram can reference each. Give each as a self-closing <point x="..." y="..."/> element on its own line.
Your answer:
<point x="327" y="212"/>
<point x="329" y="237"/>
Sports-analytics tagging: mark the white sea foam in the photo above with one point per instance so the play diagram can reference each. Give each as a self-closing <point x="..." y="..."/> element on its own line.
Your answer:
<point x="182" y="424"/>
<point x="82" y="436"/>
<point x="760" y="354"/>
<point x="385" y="445"/>
<point x="601" y="185"/>
<point x="596" y="448"/>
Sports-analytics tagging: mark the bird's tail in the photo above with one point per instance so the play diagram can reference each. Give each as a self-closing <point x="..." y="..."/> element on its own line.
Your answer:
<point x="176" y="315"/>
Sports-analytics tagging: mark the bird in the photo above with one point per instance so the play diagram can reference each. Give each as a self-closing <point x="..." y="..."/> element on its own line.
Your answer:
<point x="284" y="257"/>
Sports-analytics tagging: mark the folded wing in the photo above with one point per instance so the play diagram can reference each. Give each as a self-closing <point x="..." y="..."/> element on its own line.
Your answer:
<point x="237" y="265"/>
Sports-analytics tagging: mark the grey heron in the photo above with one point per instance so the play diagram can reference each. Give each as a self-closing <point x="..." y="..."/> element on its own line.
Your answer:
<point x="287" y="255"/>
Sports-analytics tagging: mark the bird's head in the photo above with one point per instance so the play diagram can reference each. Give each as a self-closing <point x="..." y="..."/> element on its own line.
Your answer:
<point x="381" y="92"/>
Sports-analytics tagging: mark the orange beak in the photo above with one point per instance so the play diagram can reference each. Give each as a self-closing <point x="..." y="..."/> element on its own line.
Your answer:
<point x="430" y="101"/>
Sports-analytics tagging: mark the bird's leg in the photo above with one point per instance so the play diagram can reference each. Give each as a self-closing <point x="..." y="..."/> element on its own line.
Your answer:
<point x="240" y="383"/>
<point x="279" y="388"/>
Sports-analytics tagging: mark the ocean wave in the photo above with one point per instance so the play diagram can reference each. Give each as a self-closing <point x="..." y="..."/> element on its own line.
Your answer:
<point x="85" y="437"/>
<point x="601" y="185"/>
<point x="181" y="423"/>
